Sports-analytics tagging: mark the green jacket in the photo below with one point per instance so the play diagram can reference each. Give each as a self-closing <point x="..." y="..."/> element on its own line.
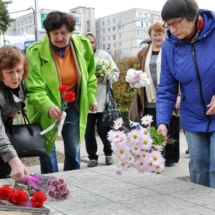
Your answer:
<point x="43" y="82"/>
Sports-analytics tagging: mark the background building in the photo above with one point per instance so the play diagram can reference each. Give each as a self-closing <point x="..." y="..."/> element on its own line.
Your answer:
<point x="119" y="34"/>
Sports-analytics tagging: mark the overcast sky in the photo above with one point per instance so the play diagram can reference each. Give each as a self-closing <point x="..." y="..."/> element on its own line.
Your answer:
<point x="102" y="7"/>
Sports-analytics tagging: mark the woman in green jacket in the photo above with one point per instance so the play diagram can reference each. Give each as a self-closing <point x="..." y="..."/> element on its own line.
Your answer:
<point x="61" y="58"/>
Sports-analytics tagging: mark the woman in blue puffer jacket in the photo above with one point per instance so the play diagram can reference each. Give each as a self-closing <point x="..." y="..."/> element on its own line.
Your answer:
<point x="188" y="57"/>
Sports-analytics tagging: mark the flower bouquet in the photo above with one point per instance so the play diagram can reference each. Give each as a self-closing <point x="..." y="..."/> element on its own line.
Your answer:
<point x="103" y="67"/>
<point x="139" y="148"/>
<point x="56" y="127"/>
<point x="137" y="78"/>
<point x="19" y="195"/>
<point x="56" y="188"/>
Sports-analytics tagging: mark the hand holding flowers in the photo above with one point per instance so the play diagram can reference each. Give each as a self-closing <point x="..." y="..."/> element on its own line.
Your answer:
<point x="103" y="67"/>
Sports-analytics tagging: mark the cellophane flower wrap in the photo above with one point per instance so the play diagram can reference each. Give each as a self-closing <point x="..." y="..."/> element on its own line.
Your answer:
<point x="137" y="78"/>
<point x="55" y="188"/>
<point x="22" y="196"/>
<point x="139" y="148"/>
<point x="67" y="97"/>
<point x="103" y="67"/>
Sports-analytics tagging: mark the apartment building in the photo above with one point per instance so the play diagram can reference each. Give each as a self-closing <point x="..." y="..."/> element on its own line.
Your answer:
<point x="121" y="34"/>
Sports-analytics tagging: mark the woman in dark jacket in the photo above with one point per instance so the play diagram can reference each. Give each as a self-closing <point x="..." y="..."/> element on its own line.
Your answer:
<point x="188" y="57"/>
<point x="13" y="68"/>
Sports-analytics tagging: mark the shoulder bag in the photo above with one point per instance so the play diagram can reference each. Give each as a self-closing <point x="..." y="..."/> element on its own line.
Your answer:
<point x="111" y="112"/>
<point x="26" y="138"/>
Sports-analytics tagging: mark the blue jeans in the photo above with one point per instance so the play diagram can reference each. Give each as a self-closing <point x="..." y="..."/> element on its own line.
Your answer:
<point x="71" y="139"/>
<point x="202" y="157"/>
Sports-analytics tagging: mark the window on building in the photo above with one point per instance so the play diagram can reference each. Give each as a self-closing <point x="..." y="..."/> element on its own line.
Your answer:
<point x="120" y="44"/>
<point x="119" y="19"/>
<point x="103" y="38"/>
<point x="119" y="27"/>
<point x="103" y="23"/>
<point x="108" y="37"/>
<point x="114" y="45"/>
<point x="108" y="22"/>
<point x="114" y="37"/>
<point x="119" y="36"/>
<point x="21" y="23"/>
<point x="103" y="31"/>
<point x="78" y="20"/>
<point x="114" y="28"/>
<point x="114" y="20"/>
<point x="108" y="47"/>
<point x="30" y="20"/>
<point x="103" y="46"/>
<point x="108" y="30"/>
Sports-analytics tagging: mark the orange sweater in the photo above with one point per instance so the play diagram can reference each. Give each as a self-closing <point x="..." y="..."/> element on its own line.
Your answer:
<point x="67" y="69"/>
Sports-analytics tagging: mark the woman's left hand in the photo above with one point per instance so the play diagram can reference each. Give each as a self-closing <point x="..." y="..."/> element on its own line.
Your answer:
<point x="93" y="107"/>
<point x="177" y="104"/>
<point x="211" y="107"/>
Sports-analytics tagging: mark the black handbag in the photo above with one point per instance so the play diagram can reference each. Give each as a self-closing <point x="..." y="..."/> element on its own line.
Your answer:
<point x="26" y="138"/>
<point x="111" y="111"/>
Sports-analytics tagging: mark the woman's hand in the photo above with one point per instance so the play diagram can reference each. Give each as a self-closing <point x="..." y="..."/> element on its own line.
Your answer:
<point x="178" y="100"/>
<point x="162" y="129"/>
<point x="18" y="170"/>
<point x="55" y="113"/>
<point x="211" y="107"/>
<point x="93" y="107"/>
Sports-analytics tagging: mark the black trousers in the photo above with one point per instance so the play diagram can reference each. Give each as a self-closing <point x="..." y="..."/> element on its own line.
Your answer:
<point x="172" y="151"/>
<point x="5" y="169"/>
<point x="90" y="136"/>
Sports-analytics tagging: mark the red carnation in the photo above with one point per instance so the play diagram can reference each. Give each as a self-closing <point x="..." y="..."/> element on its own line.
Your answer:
<point x="63" y="88"/>
<point x="38" y="199"/>
<point x="5" y="192"/>
<point x="19" y="197"/>
<point x="70" y="96"/>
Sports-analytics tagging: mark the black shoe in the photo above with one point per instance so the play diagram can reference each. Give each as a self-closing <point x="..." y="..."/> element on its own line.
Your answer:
<point x="92" y="163"/>
<point x="187" y="152"/>
<point x="169" y="163"/>
<point x="108" y="160"/>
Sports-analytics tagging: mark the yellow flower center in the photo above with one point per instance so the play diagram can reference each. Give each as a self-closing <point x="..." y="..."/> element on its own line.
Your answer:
<point x="122" y="164"/>
<point x="145" y="142"/>
<point x="135" y="136"/>
<point x="150" y="164"/>
<point x="155" y="158"/>
<point x="121" y="152"/>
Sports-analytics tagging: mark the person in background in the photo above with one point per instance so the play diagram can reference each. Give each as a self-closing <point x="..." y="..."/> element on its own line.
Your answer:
<point x="188" y="57"/>
<point x="150" y="62"/>
<point x="61" y="58"/>
<point x="90" y="137"/>
<point x="13" y="69"/>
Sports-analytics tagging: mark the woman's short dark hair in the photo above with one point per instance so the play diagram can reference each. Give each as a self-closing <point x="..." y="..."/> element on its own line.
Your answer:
<point x="179" y="8"/>
<point x="10" y="56"/>
<point x="56" y="19"/>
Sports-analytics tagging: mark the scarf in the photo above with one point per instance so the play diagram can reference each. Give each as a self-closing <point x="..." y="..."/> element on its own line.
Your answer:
<point x="150" y="89"/>
<point x="60" y="50"/>
<point x="199" y="26"/>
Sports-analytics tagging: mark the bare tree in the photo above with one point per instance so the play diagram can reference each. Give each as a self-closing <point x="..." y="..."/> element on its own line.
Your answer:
<point x="5" y="18"/>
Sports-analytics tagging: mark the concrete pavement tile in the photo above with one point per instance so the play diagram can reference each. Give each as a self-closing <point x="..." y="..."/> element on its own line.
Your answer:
<point x="105" y="209"/>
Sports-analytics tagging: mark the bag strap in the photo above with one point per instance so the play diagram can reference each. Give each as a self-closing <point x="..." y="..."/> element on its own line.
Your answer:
<point x="26" y="123"/>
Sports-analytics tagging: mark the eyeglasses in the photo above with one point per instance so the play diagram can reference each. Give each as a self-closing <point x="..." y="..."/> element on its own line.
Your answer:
<point x="175" y="24"/>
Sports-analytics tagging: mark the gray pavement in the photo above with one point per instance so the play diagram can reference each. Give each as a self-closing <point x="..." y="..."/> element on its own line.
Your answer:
<point x="178" y="170"/>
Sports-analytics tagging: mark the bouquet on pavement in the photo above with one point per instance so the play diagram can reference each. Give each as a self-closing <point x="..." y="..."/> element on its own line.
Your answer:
<point x="103" y="67"/>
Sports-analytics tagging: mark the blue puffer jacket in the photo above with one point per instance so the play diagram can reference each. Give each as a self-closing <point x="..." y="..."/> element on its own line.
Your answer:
<point x="193" y="65"/>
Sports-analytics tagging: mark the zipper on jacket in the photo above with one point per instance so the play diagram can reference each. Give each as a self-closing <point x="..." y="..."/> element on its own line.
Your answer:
<point x="200" y="84"/>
